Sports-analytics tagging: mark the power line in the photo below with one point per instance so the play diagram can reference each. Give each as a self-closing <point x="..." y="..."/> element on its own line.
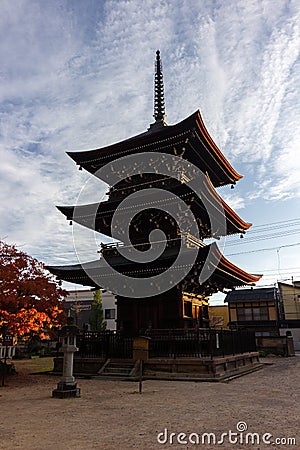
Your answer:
<point x="264" y="249"/>
<point x="252" y="239"/>
<point x="276" y="223"/>
<point x="256" y="229"/>
<point x="287" y="268"/>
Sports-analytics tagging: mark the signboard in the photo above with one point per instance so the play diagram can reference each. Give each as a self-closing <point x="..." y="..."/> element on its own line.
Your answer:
<point x="81" y="307"/>
<point x="8" y="339"/>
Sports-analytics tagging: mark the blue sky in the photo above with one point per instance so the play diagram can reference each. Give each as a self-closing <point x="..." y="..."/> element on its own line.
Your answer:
<point x="79" y="75"/>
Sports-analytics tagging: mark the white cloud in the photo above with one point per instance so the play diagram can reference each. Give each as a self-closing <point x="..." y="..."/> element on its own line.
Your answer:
<point x="235" y="201"/>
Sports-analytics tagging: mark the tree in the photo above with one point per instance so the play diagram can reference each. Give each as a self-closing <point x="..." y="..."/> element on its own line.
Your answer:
<point x="31" y="301"/>
<point x="96" y="318"/>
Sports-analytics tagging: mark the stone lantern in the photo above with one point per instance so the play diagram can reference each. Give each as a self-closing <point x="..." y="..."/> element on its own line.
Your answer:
<point x="67" y="387"/>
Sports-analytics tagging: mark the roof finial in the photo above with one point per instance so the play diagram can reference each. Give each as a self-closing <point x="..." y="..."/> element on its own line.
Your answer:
<point x="159" y="98"/>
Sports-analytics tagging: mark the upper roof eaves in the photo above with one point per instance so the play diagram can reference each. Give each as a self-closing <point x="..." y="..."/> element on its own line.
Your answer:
<point x="190" y="133"/>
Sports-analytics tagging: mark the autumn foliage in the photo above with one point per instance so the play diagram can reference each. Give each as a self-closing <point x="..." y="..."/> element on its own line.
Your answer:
<point x="31" y="301"/>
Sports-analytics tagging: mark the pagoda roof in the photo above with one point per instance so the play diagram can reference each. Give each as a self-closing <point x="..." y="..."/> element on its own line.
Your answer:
<point x="98" y="216"/>
<point x="224" y="274"/>
<point x="189" y="137"/>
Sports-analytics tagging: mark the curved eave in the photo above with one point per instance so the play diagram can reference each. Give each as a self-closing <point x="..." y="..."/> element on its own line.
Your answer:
<point x="89" y="215"/>
<point x="233" y="274"/>
<point x="191" y="128"/>
<point x="225" y="266"/>
<point x="230" y="214"/>
<point x="215" y="149"/>
<point x="135" y="142"/>
<point x="72" y="274"/>
<point x="67" y="211"/>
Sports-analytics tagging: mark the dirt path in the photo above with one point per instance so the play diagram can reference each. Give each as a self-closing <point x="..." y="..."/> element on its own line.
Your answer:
<point x="111" y="415"/>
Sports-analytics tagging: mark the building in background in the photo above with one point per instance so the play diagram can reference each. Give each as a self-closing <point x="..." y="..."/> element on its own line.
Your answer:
<point x="79" y="303"/>
<point x="255" y="309"/>
<point x="218" y="316"/>
<point x="289" y="297"/>
<point x="269" y="312"/>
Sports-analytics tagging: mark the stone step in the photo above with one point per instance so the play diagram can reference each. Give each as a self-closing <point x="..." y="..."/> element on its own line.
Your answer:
<point x="120" y="364"/>
<point x="116" y="375"/>
<point x="117" y="370"/>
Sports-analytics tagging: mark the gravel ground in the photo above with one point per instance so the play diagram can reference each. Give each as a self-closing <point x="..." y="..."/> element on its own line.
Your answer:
<point x="112" y="415"/>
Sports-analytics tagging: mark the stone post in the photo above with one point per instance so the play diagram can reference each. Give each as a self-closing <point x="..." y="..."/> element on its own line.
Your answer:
<point x="67" y="387"/>
<point x="290" y="344"/>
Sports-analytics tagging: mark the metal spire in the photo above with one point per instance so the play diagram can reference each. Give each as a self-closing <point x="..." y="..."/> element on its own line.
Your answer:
<point x="159" y="97"/>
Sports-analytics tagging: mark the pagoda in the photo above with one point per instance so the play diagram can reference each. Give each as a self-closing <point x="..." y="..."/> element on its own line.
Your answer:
<point x="185" y="303"/>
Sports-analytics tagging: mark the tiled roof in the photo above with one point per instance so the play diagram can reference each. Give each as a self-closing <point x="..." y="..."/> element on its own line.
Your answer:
<point x="251" y="295"/>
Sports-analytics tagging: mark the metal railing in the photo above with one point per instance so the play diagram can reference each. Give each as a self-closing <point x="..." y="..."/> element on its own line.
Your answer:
<point x="168" y="343"/>
<point x="104" y="344"/>
<point x="199" y="343"/>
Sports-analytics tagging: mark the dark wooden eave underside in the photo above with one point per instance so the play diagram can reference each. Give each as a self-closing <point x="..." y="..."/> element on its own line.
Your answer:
<point x="98" y="216"/>
<point x="191" y="134"/>
<point x="224" y="274"/>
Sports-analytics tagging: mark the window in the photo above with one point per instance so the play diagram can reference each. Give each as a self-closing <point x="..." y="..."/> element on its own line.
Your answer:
<point x="188" y="309"/>
<point x="248" y="314"/>
<point x="260" y="313"/>
<point x="110" y="313"/>
<point x="262" y="333"/>
<point x="244" y="314"/>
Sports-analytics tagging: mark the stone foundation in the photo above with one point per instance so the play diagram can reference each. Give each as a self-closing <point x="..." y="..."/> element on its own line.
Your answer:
<point x="197" y="369"/>
<point x="215" y="369"/>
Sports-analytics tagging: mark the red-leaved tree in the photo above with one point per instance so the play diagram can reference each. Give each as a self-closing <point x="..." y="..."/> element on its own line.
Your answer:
<point x="31" y="301"/>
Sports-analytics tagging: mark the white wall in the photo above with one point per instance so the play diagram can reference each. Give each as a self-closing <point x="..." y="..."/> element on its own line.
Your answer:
<point x="83" y="299"/>
<point x="109" y="302"/>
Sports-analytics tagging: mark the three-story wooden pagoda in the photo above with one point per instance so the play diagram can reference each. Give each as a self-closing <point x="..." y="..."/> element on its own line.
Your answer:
<point x="185" y="304"/>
